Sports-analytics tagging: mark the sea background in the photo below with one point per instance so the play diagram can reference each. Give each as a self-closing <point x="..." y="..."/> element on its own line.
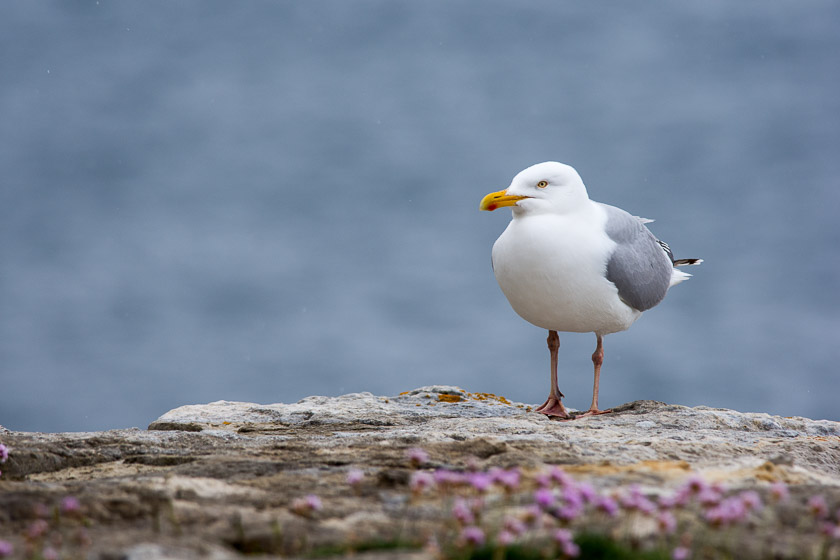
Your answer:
<point x="262" y="201"/>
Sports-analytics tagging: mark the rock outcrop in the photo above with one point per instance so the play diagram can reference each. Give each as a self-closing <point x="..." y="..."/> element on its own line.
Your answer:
<point x="227" y="478"/>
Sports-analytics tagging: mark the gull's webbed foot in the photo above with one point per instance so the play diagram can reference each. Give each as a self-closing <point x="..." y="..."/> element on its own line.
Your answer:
<point x="553" y="408"/>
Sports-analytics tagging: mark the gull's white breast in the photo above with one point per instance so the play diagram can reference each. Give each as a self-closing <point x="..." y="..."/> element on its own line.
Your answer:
<point x="552" y="269"/>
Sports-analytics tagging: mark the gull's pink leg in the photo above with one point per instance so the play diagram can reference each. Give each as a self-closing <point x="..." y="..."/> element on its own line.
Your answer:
<point x="553" y="406"/>
<point x="597" y="360"/>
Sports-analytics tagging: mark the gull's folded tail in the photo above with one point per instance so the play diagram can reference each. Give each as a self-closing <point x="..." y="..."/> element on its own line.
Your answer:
<point x="678" y="276"/>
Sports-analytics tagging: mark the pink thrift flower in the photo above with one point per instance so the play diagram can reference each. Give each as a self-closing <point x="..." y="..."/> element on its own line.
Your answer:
<point x="646" y="506"/>
<point x="4" y="453"/>
<point x="314" y="502"/>
<point x="37" y="529"/>
<point x="736" y="510"/>
<point x="716" y="517"/>
<point x="70" y="505"/>
<point x="818" y="507"/>
<point x="514" y="526"/>
<point x="476" y="505"/>
<point x="544" y="498"/>
<point x="635" y="500"/>
<point x="694" y="485"/>
<point x="420" y="481"/>
<point x="667" y="522"/>
<point x="830" y="530"/>
<point x="505" y="538"/>
<point x="49" y="553"/>
<point x="630" y="499"/>
<point x="563" y="537"/>
<point x="675" y="500"/>
<point x="418" y="457"/>
<point x="507" y="478"/>
<point x="587" y="492"/>
<point x="571" y="550"/>
<point x="472" y="536"/>
<point x="572" y="496"/>
<point x="561" y="477"/>
<point x="480" y="481"/>
<point x="779" y="491"/>
<point x="445" y="477"/>
<point x="6" y="548"/>
<point x="306" y="506"/>
<point x="543" y="479"/>
<point x="681" y="553"/>
<point x="568" y="512"/>
<point x="462" y="512"/>
<point x="607" y="505"/>
<point x="751" y="500"/>
<point x="729" y="512"/>
<point x="355" y="477"/>
<point x="710" y="496"/>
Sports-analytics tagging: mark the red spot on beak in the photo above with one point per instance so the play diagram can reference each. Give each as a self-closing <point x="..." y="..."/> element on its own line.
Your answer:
<point x="492" y="207"/>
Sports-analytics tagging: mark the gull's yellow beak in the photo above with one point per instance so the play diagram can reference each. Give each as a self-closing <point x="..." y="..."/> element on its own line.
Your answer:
<point x="498" y="199"/>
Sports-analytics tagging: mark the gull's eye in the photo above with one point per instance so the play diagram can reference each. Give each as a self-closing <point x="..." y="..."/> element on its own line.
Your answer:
<point x="542" y="184"/>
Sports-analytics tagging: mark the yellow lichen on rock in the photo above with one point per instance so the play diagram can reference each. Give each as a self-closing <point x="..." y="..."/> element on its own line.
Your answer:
<point x="488" y="397"/>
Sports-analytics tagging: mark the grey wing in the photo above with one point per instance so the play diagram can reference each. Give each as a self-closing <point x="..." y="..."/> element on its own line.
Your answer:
<point x="639" y="267"/>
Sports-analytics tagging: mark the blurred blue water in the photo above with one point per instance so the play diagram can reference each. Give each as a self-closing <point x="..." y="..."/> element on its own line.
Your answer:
<point x="263" y="201"/>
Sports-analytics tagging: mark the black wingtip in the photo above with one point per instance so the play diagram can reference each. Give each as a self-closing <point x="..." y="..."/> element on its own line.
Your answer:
<point x="687" y="262"/>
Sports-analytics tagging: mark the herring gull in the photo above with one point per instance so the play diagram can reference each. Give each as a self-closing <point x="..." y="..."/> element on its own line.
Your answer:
<point x="568" y="263"/>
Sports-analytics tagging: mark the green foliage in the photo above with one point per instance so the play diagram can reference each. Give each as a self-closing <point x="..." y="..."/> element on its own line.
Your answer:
<point x="592" y="547"/>
<point x="513" y="552"/>
<point x="599" y="547"/>
<point x="369" y="546"/>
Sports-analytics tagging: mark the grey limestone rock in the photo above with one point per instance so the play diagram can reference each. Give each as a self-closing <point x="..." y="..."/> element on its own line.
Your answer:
<point x="221" y="479"/>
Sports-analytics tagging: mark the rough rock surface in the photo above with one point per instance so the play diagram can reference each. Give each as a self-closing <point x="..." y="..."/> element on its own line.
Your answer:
<point x="221" y="479"/>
